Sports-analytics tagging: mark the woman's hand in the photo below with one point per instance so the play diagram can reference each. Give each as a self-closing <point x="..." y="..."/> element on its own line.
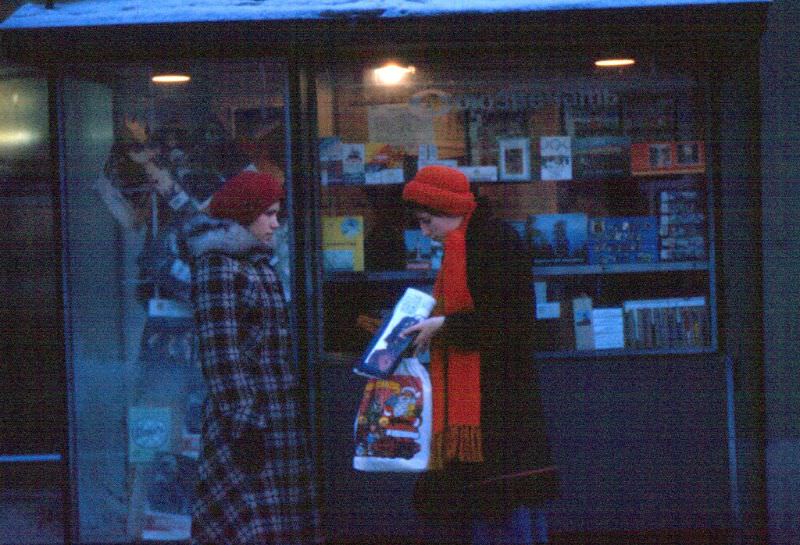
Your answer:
<point x="425" y="331"/>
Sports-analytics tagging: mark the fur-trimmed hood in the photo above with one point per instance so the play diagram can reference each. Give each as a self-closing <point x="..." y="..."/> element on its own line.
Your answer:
<point x="204" y="234"/>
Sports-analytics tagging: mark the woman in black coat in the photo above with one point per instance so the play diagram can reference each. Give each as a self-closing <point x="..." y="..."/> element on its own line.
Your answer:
<point x="491" y="458"/>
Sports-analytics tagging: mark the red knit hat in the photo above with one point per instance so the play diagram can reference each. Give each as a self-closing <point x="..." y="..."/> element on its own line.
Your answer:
<point x="245" y="196"/>
<point x="441" y="188"/>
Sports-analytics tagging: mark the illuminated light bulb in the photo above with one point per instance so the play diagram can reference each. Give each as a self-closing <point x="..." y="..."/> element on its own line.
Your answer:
<point x="613" y="63"/>
<point x="171" y="78"/>
<point x="392" y="74"/>
<point x="16" y="138"/>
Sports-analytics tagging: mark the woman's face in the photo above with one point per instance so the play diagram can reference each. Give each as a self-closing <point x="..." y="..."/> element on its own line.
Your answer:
<point x="264" y="226"/>
<point x="437" y="227"/>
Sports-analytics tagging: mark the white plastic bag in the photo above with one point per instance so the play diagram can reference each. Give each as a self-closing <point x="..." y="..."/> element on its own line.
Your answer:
<point x="393" y="425"/>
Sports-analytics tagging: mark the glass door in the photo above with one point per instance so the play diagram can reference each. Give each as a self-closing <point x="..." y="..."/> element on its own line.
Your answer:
<point x="142" y="156"/>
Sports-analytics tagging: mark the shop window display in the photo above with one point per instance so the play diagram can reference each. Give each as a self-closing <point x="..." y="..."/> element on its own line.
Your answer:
<point x="142" y="160"/>
<point x="603" y="173"/>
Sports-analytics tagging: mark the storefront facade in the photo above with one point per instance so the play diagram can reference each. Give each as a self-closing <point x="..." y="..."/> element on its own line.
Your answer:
<point x="624" y="180"/>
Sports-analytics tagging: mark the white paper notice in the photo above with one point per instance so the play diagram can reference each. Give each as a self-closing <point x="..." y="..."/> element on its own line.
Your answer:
<point x="398" y="125"/>
<point x="608" y="328"/>
<point x="548" y="311"/>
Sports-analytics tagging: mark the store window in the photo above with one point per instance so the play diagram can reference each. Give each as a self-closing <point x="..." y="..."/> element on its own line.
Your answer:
<point x="32" y="413"/>
<point x="603" y="171"/>
<point x="143" y="155"/>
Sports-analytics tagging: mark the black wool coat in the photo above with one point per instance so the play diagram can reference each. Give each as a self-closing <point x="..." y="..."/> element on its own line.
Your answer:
<point x="518" y="468"/>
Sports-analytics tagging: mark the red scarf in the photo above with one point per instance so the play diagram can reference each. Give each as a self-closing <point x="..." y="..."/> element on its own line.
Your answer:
<point x="455" y="373"/>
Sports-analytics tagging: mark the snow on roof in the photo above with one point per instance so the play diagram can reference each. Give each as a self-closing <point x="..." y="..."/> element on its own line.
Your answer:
<point x="130" y="12"/>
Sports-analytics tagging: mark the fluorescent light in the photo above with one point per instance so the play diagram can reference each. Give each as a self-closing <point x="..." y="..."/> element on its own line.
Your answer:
<point x="612" y="63"/>
<point x="392" y="74"/>
<point x="170" y="78"/>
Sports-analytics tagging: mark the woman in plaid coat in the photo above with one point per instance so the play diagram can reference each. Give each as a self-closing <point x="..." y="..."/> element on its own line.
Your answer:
<point x="256" y="478"/>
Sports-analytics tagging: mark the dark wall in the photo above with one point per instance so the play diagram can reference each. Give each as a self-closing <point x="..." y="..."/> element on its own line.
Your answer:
<point x="780" y="89"/>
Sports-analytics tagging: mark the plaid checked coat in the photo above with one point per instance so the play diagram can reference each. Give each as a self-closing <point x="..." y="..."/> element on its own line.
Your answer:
<point x="256" y="479"/>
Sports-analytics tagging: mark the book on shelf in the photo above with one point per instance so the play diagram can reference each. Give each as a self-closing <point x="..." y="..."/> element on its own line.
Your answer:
<point x="608" y="328"/>
<point x="330" y="160"/>
<point x="601" y="157"/>
<point x="559" y="238"/>
<point x="657" y="158"/>
<point x="422" y="253"/>
<point x="678" y="322"/>
<point x="353" y="163"/>
<point x="596" y="120"/>
<point x="624" y="239"/>
<point x="387" y="347"/>
<point x="515" y="158"/>
<point x="556" y="158"/>
<point x="169" y="484"/>
<point x="428" y="154"/>
<point x="582" y="322"/>
<point x="681" y="225"/>
<point x="488" y="128"/>
<point x="383" y="163"/>
<point x="343" y="243"/>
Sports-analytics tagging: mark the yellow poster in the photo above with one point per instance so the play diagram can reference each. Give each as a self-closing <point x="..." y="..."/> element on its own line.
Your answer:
<point x="343" y="243"/>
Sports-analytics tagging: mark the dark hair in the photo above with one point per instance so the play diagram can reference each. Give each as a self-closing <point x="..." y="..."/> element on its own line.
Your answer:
<point x="413" y="207"/>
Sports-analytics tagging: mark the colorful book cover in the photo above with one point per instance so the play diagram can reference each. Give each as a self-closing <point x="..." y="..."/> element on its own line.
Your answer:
<point x="559" y="238"/>
<point x="330" y="160"/>
<point x="343" y="243"/>
<point x="383" y="163"/>
<point x="682" y="229"/>
<point x="628" y="239"/>
<point x="149" y="432"/>
<point x="582" y="322"/>
<point x="353" y="165"/>
<point x="658" y="158"/>
<point x="384" y="352"/>
<point x="487" y="128"/>
<point x="599" y="158"/>
<point x="556" y="154"/>
<point x="515" y="158"/>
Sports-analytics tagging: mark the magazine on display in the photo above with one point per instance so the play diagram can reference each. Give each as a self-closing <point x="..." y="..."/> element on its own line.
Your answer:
<point x="386" y="349"/>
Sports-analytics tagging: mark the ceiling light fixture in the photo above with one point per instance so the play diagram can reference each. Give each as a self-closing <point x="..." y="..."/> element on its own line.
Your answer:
<point x="614" y="63"/>
<point x="170" y="78"/>
<point x="392" y="74"/>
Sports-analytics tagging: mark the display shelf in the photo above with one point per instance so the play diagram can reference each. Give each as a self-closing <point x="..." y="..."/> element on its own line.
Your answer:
<point x="346" y="359"/>
<point x="619" y="268"/>
<point x="380" y="276"/>
<point x="598" y="354"/>
<point x="538" y="270"/>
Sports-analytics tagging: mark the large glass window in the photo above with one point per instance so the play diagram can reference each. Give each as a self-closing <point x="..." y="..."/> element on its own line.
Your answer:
<point x="143" y="155"/>
<point x="602" y="170"/>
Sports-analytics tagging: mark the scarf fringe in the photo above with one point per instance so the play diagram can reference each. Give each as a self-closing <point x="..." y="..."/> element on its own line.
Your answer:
<point x="462" y="443"/>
